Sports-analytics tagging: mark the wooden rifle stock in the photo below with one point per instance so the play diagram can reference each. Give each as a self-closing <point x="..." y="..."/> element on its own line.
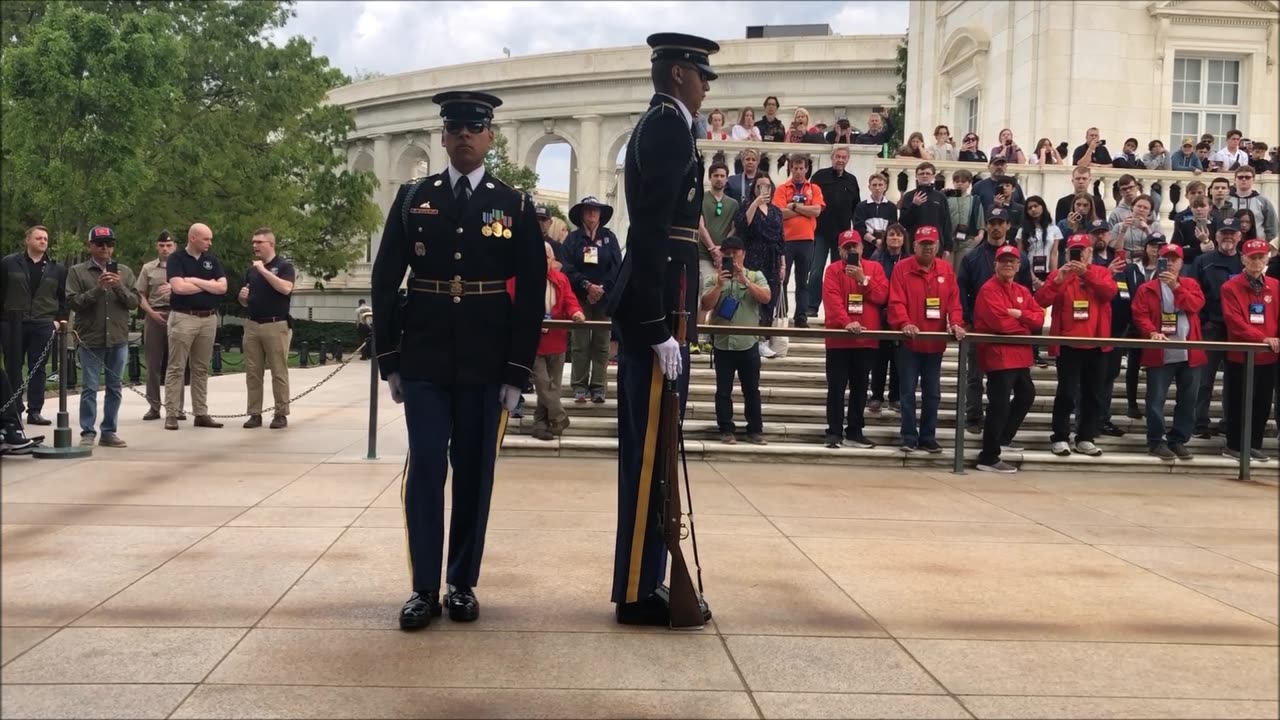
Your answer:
<point x="684" y="602"/>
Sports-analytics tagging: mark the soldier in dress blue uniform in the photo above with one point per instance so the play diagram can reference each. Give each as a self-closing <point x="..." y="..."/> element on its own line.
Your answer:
<point x="663" y="182"/>
<point x="457" y="349"/>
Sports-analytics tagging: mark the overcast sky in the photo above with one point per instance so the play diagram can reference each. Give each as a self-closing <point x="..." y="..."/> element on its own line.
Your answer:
<point x="392" y="37"/>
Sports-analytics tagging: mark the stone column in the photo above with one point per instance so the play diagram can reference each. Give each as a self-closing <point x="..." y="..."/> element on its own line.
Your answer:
<point x="589" y="157"/>
<point x="386" y="191"/>
<point x="435" y="149"/>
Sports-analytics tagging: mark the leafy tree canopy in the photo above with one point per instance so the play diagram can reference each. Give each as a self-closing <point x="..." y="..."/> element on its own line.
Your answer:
<point x="151" y="115"/>
<point x="502" y="167"/>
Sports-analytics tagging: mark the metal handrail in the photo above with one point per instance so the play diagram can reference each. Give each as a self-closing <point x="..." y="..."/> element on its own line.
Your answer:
<point x="1249" y="349"/>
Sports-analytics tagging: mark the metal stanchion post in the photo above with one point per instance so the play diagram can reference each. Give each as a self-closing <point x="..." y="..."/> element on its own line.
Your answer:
<point x="304" y="355"/>
<point x="62" y="447"/>
<point x="321" y="354"/>
<point x="373" y="403"/>
<point x="217" y="359"/>
<point x="1246" y="411"/>
<point x="962" y="388"/>
<point x="135" y="365"/>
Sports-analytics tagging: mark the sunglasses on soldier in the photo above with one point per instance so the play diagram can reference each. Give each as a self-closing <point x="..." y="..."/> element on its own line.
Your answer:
<point x="455" y="127"/>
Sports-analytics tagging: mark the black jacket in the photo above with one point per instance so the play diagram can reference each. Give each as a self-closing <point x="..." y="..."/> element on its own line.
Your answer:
<point x="18" y="303"/>
<point x="978" y="266"/>
<point x="663" y="183"/>
<point x="1063" y="208"/>
<point x="582" y="273"/>
<point x="934" y="211"/>
<point x="1184" y="235"/>
<point x="868" y="209"/>
<point x="466" y="334"/>
<point x="841" y="194"/>
<point x="1212" y="270"/>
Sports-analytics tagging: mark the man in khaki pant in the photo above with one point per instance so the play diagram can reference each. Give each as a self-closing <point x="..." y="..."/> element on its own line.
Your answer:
<point x="153" y="298"/>
<point x="267" y="333"/>
<point x="196" y="284"/>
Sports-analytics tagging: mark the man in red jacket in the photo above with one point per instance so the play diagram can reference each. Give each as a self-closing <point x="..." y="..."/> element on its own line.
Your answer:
<point x="1167" y="307"/>
<point x="1251" y="311"/>
<point x="1080" y="294"/>
<point x="854" y="294"/>
<point x="1004" y="307"/>
<point x="923" y="297"/>
<point x="550" y="419"/>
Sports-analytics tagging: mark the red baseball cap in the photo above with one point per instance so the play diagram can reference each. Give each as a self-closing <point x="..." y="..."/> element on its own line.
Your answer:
<point x="1079" y="240"/>
<point x="1005" y="250"/>
<point x="1255" y="247"/>
<point x="926" y="234"/>
<point x="850" y="237"/>
<point x="1171" y="249"/>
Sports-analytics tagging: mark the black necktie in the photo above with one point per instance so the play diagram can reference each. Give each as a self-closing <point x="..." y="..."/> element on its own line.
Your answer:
<point x="462" y="191"/>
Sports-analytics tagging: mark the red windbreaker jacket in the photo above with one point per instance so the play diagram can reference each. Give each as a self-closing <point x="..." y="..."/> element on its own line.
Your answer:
<point x="928" y="299"/>
<point x="1250" y="316"/>
<point x="845" y="300"/>
<point x="1148" y="317"/>
<point x="991" y="315"/>
<point x="1081" y="305"/>
<point x="554" y="342"/>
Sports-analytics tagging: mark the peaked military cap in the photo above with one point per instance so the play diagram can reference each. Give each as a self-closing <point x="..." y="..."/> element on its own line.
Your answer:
<point x="466" y="105"/>
<point x="678" y="47"/>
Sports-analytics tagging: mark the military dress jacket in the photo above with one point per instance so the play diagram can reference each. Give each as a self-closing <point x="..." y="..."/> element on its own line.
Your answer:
<point x="663" y="184"/>
<point x="457" y="324"/>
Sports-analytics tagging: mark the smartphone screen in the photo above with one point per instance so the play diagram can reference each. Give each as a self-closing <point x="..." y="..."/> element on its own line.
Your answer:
<point x="1162" y="265"/>
<point x="1122" y="255"/>
<point x="1075" y="253"/>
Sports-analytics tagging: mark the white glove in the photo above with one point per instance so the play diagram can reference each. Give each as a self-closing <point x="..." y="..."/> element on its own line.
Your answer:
<point x="669" y="358"/>
<point x="509" y="397"/>
<point x="397" y="391"/>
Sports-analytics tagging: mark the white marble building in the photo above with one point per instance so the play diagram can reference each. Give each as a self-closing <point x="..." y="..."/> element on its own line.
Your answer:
<point x="1048" y="68"/>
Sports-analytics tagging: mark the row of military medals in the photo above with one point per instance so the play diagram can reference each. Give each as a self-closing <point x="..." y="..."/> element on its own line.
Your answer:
<point x="496" y="224"/>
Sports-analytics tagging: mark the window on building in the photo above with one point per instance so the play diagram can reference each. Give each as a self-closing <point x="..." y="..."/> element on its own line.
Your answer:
<point x="967" y="109"/>
<point x="1206" y="98"/>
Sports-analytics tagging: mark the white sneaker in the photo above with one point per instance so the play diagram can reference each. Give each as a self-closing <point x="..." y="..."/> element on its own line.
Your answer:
<point x="1084" y="447"/>
<point x="1060" y="448"/>
<point x="766" y="351"/>
<point x="1012" y="448"/>
<point x="998" y="466"/>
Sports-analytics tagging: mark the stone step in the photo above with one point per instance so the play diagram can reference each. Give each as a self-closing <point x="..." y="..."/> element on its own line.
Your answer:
<point x="1034" y="435"/>
<point x="808" y="454"/>
<point x="701" y="405"/>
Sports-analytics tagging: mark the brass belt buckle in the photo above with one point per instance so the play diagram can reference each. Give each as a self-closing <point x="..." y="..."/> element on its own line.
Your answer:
<point x="455" y="286"/>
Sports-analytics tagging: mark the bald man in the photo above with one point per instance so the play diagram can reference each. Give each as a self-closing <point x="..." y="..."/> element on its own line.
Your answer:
<point x="196" y="284"/>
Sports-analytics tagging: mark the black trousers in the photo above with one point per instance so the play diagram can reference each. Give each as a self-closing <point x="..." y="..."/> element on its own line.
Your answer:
<point x="848" y="369"/>
<point x="1004" y="417"/>
<point x="746" y="365"/>
<point x="1264" y="387"/>
<point x="1208" y="374"/>
<point x="1082" y="371"/>
<point x="885" y="366"/>
<point x="23" y="341"/>
<point x="973" y="400"/>
<point x="799" y="254"/>
<point x="1132" y="374"/>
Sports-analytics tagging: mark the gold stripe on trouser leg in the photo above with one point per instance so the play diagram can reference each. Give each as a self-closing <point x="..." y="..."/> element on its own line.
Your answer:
<point x="646" y="482"/>
<point x="503" y="417"/>
<point x="404" y="511"/>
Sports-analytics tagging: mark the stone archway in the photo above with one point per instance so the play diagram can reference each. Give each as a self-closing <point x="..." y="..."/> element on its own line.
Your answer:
<point x="535" y="151"/>
<point x="414" y="161"/>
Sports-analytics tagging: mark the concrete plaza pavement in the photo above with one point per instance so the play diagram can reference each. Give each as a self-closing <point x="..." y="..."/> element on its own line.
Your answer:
<point x="258" y="573"/>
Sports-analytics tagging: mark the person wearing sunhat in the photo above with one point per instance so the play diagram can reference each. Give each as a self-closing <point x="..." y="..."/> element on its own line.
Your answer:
<point x="593" y="258"/>
<point x="458" y="351"/>
<point x="1005" y="307"/>
<point x="1251" y="309"/>
<point x="1167" y="307"/>
<point x="663" y="175"/>
<point x="1079" y="294"/>
<point x="100" y="293"/>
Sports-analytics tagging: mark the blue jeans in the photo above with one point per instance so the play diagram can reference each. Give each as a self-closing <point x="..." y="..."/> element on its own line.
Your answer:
<point x="924" y="369"/>
<point x="1159" y="379"/>
<point x="824" y="251"/>
<point x="91" y="360"/>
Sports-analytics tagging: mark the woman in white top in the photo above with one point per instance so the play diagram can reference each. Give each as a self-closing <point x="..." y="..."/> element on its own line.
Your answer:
<point x="944" y="148"/>
<point x="1039" y="237"/>
<point x="746" y="128"/>
<point x="1045" y="154"/>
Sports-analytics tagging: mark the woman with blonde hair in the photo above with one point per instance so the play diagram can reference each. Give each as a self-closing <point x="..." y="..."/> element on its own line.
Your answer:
<point x="799" y="126"/>
<point x="558" y="230"/>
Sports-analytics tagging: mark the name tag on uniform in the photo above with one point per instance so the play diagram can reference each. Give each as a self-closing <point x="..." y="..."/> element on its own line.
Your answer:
<point x="933" y="308"/>
<point x="1080" y="309"/>
<point x="855" y="304"/>
<point x="1169" y="323"/>
<point x="591" y="255"/>
<point x="1256" y="315"/>
<point x="1039" y="264"/>
<point x="1123" y="287"/>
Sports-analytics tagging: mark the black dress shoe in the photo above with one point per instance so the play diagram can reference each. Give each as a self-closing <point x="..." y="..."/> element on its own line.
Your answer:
<point x="38" y="419"/>
<point x="419" y="610"/>
<point x="652" y="610"/>
<point x="463" y="605"/>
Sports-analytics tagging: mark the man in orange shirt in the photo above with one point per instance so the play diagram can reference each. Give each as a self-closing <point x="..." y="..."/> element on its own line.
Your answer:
<point x="801" y="202"/>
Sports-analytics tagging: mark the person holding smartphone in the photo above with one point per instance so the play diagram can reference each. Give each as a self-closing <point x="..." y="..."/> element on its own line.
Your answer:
<point x="100" y="292"/>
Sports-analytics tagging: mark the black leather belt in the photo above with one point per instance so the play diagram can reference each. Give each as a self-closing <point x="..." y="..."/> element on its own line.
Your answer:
<point x="685" y="234"/>
<point x="457" y="288"/>
<point x="197" y="313"/>
<point x="160" y="308"/>
<point x="264" y="321"/>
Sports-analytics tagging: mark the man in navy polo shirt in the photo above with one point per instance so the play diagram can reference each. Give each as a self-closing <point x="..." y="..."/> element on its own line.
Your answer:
<point x="197" y="284"/>
<point x="269" y="329"/>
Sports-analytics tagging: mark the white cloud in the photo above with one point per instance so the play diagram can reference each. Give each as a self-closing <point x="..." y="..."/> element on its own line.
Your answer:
<point x="395" y="36"/>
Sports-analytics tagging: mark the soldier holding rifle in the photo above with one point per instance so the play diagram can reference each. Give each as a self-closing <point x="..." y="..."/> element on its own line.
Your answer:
<point x="653" y="306"/>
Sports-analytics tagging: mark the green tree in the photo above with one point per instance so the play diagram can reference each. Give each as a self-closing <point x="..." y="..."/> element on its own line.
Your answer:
<point x="169" y="113"/>
<point x="898" y="113"/>
<point x="554" y="211"/>
<point x="502" y="167"/>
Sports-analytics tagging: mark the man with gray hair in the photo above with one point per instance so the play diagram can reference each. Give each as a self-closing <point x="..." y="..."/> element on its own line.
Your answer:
<point x="196" y="282"/>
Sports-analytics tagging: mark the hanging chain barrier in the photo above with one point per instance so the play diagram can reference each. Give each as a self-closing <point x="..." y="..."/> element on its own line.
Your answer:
<point x="265" y="411"/>
<point x="37" y="366"/>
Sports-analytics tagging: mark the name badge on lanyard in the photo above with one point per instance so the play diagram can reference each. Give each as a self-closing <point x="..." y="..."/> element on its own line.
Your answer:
<point x="1256" y="314"/>
<point x="855" y="304"/>
<point x="933" y="308"/>
<point x="591" y="255"/>
<point x="1123" y="287"/>
<point x="1080" y="309"/>
<point x="1169" y="323"/>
